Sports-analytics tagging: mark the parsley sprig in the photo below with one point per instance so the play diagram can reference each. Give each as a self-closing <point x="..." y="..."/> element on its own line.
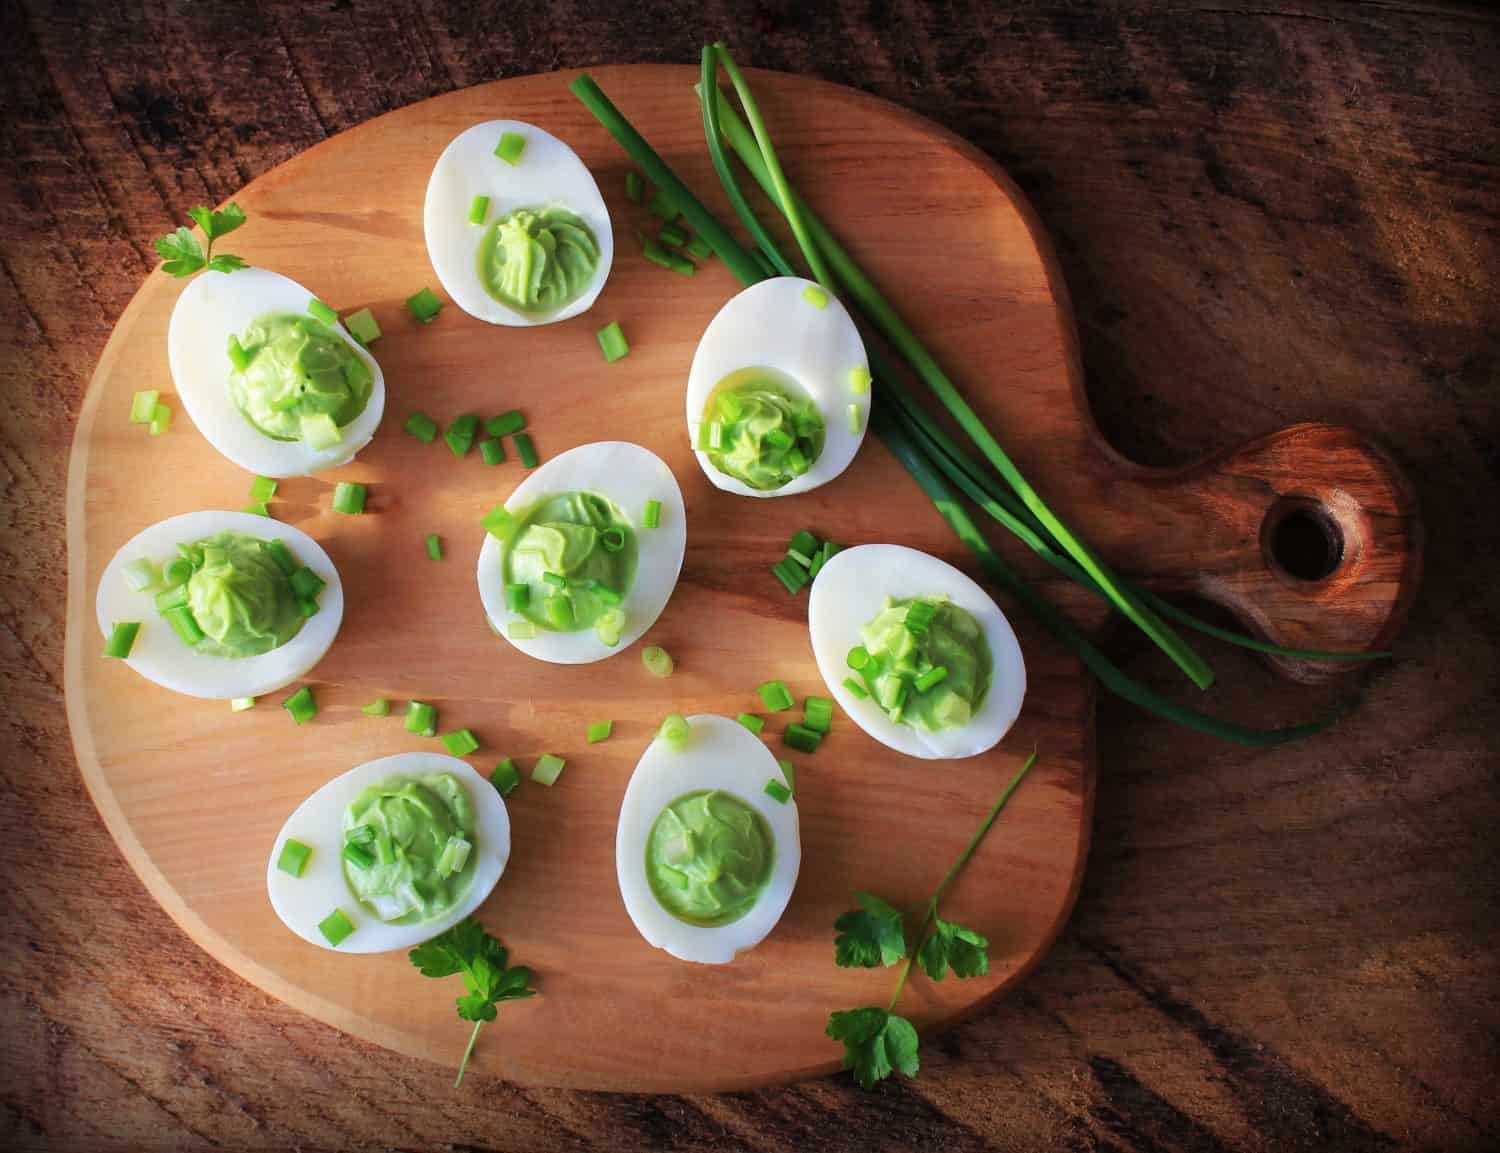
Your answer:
<point x="181" y="253"/>
<point x="468" y="949"/>
<point x="877" y="1041"/>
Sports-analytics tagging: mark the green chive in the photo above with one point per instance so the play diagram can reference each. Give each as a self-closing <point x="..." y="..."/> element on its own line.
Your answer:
<point x="555" y="579"/>
<point x="802" y="738"/>
<point x="657" y="660"/>
<point x="612" y="342"/>
<point x="506" y="424"/>
<point x="817" y="714"/>
<point x="752" y="722"/>
<point x="161" y="419"/>
<point x="652" y="516"/>
<point x="856" y="688"/>
<point x="599" y="731"/>
<point x="421" y="718"/>
<point x="262" y="489"/>
<point x="547" y="769"/>
<point x="777" y="791"/>
<point x="511" y="145"/>
<point x="506" y="777"/>
<point x="478" y="208"/>
<point x="322" y="312"/>
<point x="362" y="326"/>
<point x="379" y="707"/>
<point x="121" y="639"/>
<point x="424" y="305"/>
<point x="856" y="419"/>
<point x="776" y="695"/>
<point x="292" y="859"/>
<point x="525" y="449"/>
<point x="932" y="677"/>
<point x="434" y="546"/>
<point x="675" y="730"/>
<point x="633" y="186"/>
<point x="301" y="705"/>
<point x="421" y="426"/>
<point x="492" y="451"/>
<point x="336" y="927"/>
<point x="815" y="296"/>
<point x="460" y="742"/>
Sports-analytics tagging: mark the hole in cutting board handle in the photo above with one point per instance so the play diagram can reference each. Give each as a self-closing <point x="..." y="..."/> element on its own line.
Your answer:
<point x="1301" y="539"/>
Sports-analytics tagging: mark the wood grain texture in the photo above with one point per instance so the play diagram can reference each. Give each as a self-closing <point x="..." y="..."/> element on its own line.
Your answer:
<point x="1264" y="213"/>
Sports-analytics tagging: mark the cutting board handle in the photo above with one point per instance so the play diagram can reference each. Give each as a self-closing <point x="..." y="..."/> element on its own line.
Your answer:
<point x="1311" y="536"/>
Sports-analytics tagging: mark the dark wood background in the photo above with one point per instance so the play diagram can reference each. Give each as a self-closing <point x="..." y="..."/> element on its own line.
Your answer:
<point x="1267" y="211"/>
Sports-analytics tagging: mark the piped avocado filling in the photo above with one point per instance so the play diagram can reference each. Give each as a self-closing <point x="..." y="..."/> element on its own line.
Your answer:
<point x="296" y="379"/>
<point x="925" y="662"/>
<point x="708" y="857"/>
<point x="571" y="564"/>
<point x="538" y="259"/>
<point x="760" y="428"/>
<point x="408" y="846"/>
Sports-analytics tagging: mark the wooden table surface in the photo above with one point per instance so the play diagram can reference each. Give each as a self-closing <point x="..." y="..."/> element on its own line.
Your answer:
<point x="1266" y="212"/>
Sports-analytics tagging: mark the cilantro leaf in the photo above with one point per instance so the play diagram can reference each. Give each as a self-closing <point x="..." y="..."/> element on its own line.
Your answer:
<point x="876" y="1043"/>
<point x="954" y="946"/>
<point x="870" y="935"/>
<point x="180" y="252"/>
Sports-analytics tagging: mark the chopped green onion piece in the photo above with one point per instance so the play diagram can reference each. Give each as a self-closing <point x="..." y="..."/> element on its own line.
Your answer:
<point x="599" y="731"/>
<point x="671" y="236"/>
<point x="815" y="296"/>
<point x="612" y="341"/>
<point x="715" y="435"/>
<point x="675" y="730"/>
<point x="178" y="571"/>
<point x="358" y="856"/>
<point x="184" y="624"/>
<point x="919" y="616"/>
<point x="466" y="425"/>
<point x="777" y="791"/>
<point x="657" y="660"/>
<point x="555" y="579"/>
<point x="525" y="449"/>
<point x="752" y="722"/>
<point x="492" y="451"/>
<point x="421" y="718"/>
<point x="479" y="207"/>
<point x="506" y="777"/>
<point x="460" y="742"/>
<point x="791" y="574"/>
<point x="776" y="695"/>
<point x="700" y="248"/>
<point x="454" y="857"/>
<point x="349" y="498"/>
<point x="500" y="524"/>
<point x="161" y="419"/>
<point x="262" y="488"/>
<point x="292" y="859"/>
<point x="517" y="596"/>
<point x="301" y="705"/>
<point x="856" y="419"/>
<point x="651" y="518"/>
<point x="424" y="305"/>
<point x="506" y="424"/>
<point x="307" y="607"/>
<point x="662" y="206"/>
<point x="665" y="258"/>
<point x="434" y="546"/>
<point x="360" y="835"/>
<point x="317" y="308"/>
<point x="547" y="769"/>
<point x="817" y="714"/>
<point x="802" y="546"/>
<point x="257" y="508"/>
<point x="121" y="639"/>
<point x="379" y="707"/>
<point x="633" y="186"/>
<point x="511" y="145"/>
<point x="932" y="677"/>
<point x="143" y="407"/>
<point x="336" y="927"/>
<point x="319" y="431"/>
<point x="858" y="657"/>
<point x="141" y="575"/>
<point x="612" y="539"/>
<point x="421" y="426"/>
<point x="362" y="326"/>
<point x="789" y="771"/>
<point x="306" y="583"/>
<point x="830" y="550"/>
<point x="856" y="688"/>
<point x="520" y="630"/>
<point x="802" y="738"/>
<point x="171" y="598"/>
<point x="457" y="440"/>
<point x="241" y="704"/>
<point x="859" y="380"/>
<point x="609" y="626"/>
<point x="239" y="355"/>
<point x="283" y="557"/>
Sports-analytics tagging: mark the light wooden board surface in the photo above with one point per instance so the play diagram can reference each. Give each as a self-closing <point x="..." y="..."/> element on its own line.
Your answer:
<point x="195" y="796"/>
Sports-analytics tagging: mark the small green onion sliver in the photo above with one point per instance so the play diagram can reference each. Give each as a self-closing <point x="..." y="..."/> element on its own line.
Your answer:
<point x="121" y="639"/>
<point x="547" y="769"/>
<point x="752" y="722"/>
<point x="525" y="450"/>
<point x="421" y="426"/>
<point x="349" y="498"/>
<point x="776" y="695"/>
<point x="293" y="857"/>
<point x="460" y="742"/>
<point x="599" y="731"/>
<point x="421" y="718"/>
<point x="479" y="207"/>
<point x="612" y="341"/>
<point x="777" y="791"/>
<point x="336" y="927"/>
<point x="506" y="777"/>
<point x="657" y="660"/>
<point x="301" y="705"/>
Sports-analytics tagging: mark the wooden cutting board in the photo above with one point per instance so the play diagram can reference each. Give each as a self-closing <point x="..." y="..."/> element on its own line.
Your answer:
<point x="195" y="795"/>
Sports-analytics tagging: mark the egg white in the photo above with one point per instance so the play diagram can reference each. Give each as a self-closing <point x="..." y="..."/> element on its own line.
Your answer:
<point x="628" y="475"/>
<point x="720" y="754"/>
<point x="549" y="173"/>
<point x="848" y="593"/>
<point x="160" y="655"/>
<point x="217" y="305"/>
<point x="769" y="325"/>
<point x="318" y="822"/>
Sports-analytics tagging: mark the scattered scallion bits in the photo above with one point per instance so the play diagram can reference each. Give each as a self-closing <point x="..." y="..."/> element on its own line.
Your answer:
<point x="793" y="576"/>
<point x="434" y="546"/>
<point x="817" y="714"/>
<point x="460" y="742"/>
<point x="363" y="326"/>
<point x="525" y="449"/>
<point x="675" y="730"/>
<point x="336" y="927"/>
<point x="479" y="208"/>
<point x="609" y="626"/>
<point x="319" y="431"/>
<point x="815" y="296"/>
<point x="802" y="738"/>
<point x="510" y="148"/>
<point x="858" y="657"/>
<point x="789" y="771"/>
<point x="421" y="426"/>
<point x="856" y="418"/>
<point x="777" y="791"/>
<point x="141" y="575"/>
<point x="752" y="722"/>
<point x="671" y="236"/>
<point x="775" y="695"/>
<point x="661" y="205"/>
<point x="520" y="630"/>
<point x="184" y="624"/>
<point x="492" y="451"/>
<point x="121" y="639"/>
<point x="262" y="489"/>
<point x="700" y="248"/>
<point x="500" y="524"/>
<point x="379" y="707"/>
<point x="555" y="579"/>
<point x="611" y="342"/>
<point x="859" y="380"/>
<point x="161" y="419"/>
<point x="424" y="305"/>
<point x="292" y="859"/>
<point x="143" y="405"/>
<point x="506" y="424"/>
<point x="856" y="688"/>
<point x="421" y="718"/>
<point x="651" y="518"/>
<point x="460" y="435"/>
<point x="506" y="777"/>
<point x="802" y="547"/>
<point x="239" y="355"/>
<point x="349" y="498"/>
<point x="634" y="185"/>
<point x="932" y="678"/>
<point x="547" y="769"/>
<point x="241" y="704"/>
<point x="306" y="583"/>
<point x="517" y="596"/>
<point x="358" y="856"/>
<point x="657" y="660"/>
<point x="301" y="705"/>
<point x="321" y="311"/>
<point x="599" y="731"/>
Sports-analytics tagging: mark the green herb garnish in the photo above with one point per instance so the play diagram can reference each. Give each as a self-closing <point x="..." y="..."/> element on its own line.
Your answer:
<point x="181" y="253"/>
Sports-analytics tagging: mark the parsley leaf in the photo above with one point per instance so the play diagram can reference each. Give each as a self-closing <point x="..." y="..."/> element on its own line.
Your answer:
<point x="468" y="950"/>
<point x="951" y="945"/>
<point x="876" y="1043"/>
<point x="180" y="252"/>
<point x="217" y="224"/>
<point x="870" y="935"/>
<point x="227" y="262"/>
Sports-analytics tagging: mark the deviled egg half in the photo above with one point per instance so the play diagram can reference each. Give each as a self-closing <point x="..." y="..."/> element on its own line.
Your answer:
<point x="706" y="859"/>
<point x="228" y="604"/>
<point x="778" y="396"/>
<point x="916" y="653"/>
<point x="516" y="229"/>
<point x="268" y="374"/>
<point x="583" y="557"/>
<point x="389" y="854"/>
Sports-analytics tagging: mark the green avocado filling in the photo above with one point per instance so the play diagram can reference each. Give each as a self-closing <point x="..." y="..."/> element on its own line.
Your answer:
<point x="928" y="663"/>
<point x="294" y="375"/>
<point x="708" y="857"/>
<point x="571" y="563"/>
<point x="408" y="846"/>
<point x="538" y="259"/>
<point x="768" y="431"/>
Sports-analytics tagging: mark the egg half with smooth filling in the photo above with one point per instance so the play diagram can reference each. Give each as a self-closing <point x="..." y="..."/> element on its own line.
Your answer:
<point x="915" y="652"/>
<point x="229" y="604"/>
<point x="269" y="375"/>
<point x="706" y="859"/>
<point x="516" y="229"/>
<point x="389" y="854"/>
<point x="571" y="569"/>
<point x="778" y="394"/>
